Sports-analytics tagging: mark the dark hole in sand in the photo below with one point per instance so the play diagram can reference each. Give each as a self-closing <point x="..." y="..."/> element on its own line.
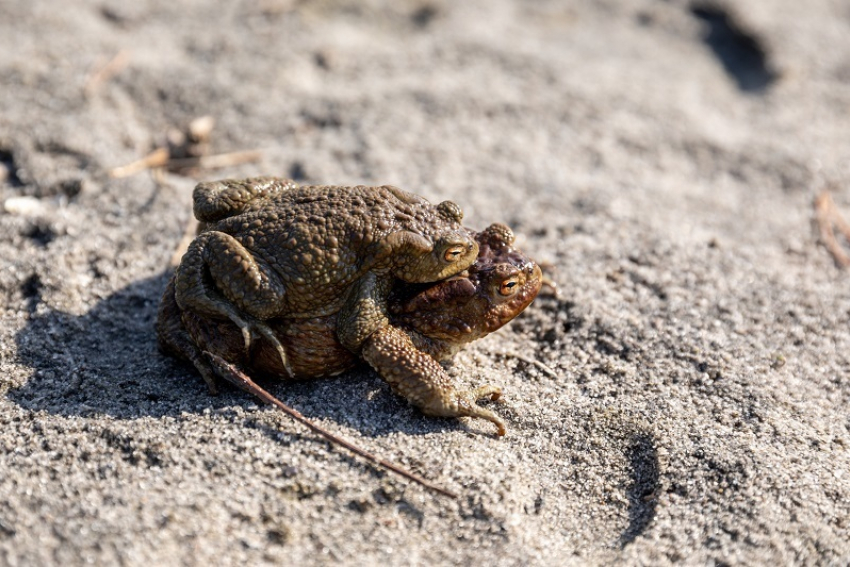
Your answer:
<point x="8" y="169"/>
<point x="642" y="493"/>
<point x="31" y="290"/>
<point x="424" y="15"/>
<point x="40" y="233"/>
<point x="741" y="54"/>
<point x="297" y="172"/>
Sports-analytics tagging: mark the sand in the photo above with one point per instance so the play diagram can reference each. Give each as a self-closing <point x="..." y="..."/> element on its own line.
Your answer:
<point x="661" y="159"/>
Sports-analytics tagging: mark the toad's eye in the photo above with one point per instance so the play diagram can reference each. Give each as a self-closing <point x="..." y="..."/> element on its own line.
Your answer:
<point x="454" y="253"/>
<point x="510" y="286"/>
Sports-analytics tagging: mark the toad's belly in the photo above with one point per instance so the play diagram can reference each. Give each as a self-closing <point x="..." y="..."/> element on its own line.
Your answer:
<point x="311" y="346"/>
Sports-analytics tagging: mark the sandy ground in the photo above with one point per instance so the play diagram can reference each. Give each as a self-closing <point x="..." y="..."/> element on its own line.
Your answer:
<point x="661" y="157"/>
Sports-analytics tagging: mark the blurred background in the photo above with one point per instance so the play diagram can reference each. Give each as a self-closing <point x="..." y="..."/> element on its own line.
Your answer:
<point x="665" y="161"/>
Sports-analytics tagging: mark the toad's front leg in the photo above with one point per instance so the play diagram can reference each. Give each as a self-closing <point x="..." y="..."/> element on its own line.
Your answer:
<point x="364" y="310"/>
<point x="420" y="379"/>
<point x="219" y="277"/>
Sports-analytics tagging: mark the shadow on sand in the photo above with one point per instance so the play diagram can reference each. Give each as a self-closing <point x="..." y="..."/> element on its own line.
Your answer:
<point x="106" y="361"/>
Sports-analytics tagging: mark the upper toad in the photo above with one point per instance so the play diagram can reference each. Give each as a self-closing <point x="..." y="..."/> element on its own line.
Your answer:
<point x="268" y="248"/>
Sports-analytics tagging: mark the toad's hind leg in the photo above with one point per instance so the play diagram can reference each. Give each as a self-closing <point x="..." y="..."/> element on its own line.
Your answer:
<point x="175" y="340"/>
<point x="218" y="277"/>
<point x="420" y="379"/>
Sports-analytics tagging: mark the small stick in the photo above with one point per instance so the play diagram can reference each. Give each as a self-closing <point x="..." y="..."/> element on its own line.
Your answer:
<point x="157" y="158"/>
<point x="216" y="161"/>
<point x="839" y="221"/>
<point x="161" y="158"/>
<point x="826" y="214"/>
<point x="112" y="68"/>
<point x="531" y="361"/>
<point x="242" y="381"/>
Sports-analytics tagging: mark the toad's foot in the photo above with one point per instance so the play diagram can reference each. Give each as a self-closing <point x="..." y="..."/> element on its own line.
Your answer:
<point x="464" y="403"/>
<point x="420" y="379"/>
<point x="251" y="327"/>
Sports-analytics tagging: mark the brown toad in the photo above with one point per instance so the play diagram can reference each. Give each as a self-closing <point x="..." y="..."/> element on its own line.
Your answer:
<point x="429" y="323"/>
<point x="268" y="248"/>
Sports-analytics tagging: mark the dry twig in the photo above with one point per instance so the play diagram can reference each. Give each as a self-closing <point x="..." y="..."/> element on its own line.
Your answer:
<point x="157" y="158"/>
<point x="160" y="158"/>
<point x="215" y="161"/>
<point x="186" y="151"/>
<point x="114" y="66"/>
<point x="242" y="381"/>
<point x="828" y="220"/>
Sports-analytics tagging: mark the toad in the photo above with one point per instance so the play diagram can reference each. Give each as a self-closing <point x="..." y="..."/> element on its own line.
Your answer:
<point x="268" y="248"/>
<point x="428" y="324"/>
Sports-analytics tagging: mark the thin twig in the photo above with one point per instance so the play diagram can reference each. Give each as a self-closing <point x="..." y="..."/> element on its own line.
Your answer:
<point x="839" y="221"/>
<point x="216" y="161"/>
<point x="828" y="217"/>
<point x="531" y="361"/>
<point x="106" y="72"/>
<point x="161" y="158"/>
<point x="157" y="158"/>
<point x="242" y="381"/>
